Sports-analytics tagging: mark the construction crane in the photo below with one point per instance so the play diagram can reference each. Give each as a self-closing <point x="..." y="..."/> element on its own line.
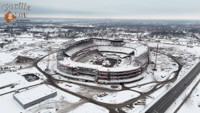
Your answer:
<point x="50" y="52"/>
<point x="96" y="77"/>
<point x="154" y="69"/>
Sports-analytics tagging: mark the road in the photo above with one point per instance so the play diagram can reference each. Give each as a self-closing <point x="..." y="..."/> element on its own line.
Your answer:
<point x="187" y="97"/>
<point x="162" y="104"/>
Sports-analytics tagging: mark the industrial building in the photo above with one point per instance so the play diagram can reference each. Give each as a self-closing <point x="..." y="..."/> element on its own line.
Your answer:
<point x="34" y="95"/>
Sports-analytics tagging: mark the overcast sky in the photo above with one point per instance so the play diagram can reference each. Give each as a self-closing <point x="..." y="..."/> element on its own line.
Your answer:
<point x="144" y="9"/>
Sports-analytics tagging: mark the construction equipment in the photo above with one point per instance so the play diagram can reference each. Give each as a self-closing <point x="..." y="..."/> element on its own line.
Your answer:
<point x="50" y="52"/>
<point x="154" y="69"/>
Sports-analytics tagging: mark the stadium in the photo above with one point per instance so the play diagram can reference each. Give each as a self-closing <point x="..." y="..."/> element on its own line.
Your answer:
<point x="100" y="60"/>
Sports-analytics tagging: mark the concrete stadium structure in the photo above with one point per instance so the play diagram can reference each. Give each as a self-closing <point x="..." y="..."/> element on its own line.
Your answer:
<point x="102" y="60"/>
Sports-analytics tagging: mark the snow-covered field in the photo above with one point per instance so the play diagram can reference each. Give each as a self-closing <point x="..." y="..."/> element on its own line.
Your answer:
<point x="89" y="108"/>
<point x="5" y="58"/>
<point x="117" y="97"/>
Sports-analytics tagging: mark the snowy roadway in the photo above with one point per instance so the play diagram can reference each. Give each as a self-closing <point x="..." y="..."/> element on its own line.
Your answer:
<point x="161" y="105"/>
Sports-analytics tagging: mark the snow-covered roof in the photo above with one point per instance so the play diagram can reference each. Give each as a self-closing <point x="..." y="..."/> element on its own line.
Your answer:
<point x="79" y="39"/>
<point x="116" y="49"/>
<point x="139" y="48"/>
<point x="33" y="94"/>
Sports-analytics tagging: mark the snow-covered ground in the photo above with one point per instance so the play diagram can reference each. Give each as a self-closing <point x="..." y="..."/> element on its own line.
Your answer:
<point x="117" y="97"/>
<point x="89" y="108"/>
<point x="17" y="78"/>
<point x="5" y="58"/>
<point x="192" y="103"/>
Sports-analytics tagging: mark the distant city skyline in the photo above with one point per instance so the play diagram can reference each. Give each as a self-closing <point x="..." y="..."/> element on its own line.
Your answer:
<point x="111" y="9"/>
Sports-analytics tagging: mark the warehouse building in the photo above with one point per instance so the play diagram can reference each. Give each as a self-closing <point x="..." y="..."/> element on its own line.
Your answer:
<point x="34" y="95"/>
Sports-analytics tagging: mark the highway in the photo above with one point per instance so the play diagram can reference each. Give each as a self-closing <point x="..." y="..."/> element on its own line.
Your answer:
<point x="164" y="102"/>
